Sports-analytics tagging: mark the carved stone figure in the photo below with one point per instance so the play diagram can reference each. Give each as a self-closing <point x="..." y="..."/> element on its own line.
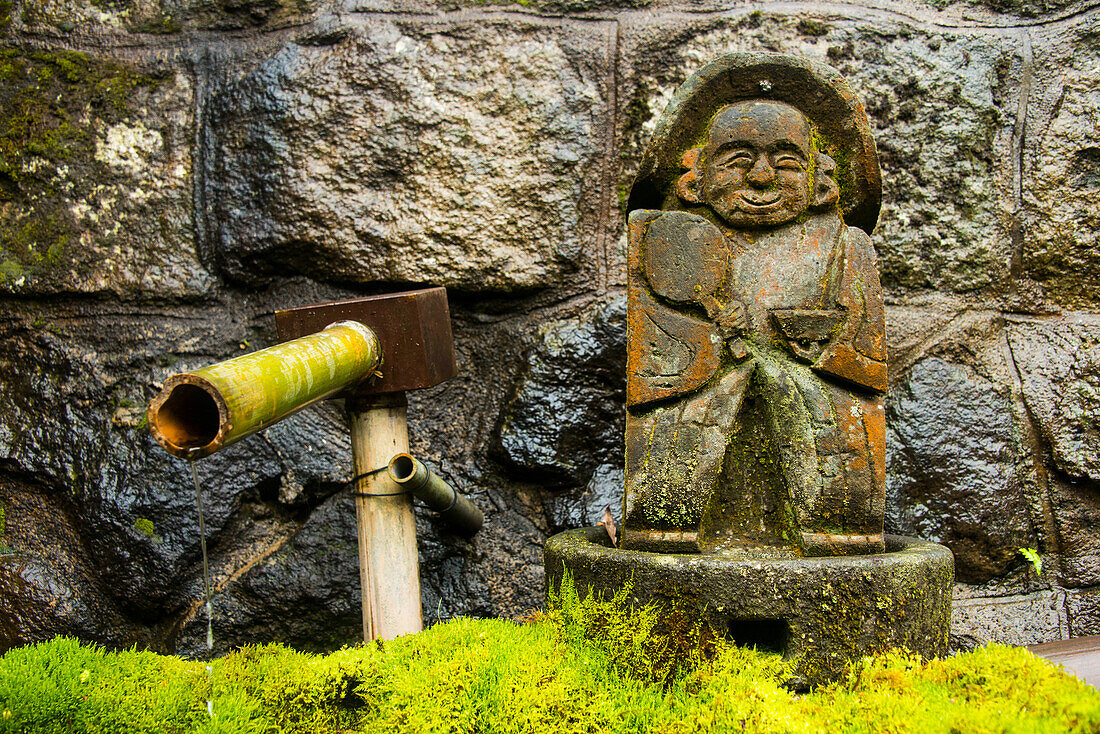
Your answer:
<point x="756" y="350"/>
<point x="756" y="367"/>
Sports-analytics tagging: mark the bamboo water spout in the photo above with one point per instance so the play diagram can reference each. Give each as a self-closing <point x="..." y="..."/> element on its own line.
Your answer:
<point x="336" y="350"/>
<point x="202" y="411"/>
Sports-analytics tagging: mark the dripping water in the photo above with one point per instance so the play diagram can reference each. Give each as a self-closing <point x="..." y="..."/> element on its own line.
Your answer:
<point x="205" y="584"/>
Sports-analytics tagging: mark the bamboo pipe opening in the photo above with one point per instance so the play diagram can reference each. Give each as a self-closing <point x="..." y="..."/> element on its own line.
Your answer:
<point x="402" y="468"/>
<point x="188" y="418"/>
<point x="457" y="511"/>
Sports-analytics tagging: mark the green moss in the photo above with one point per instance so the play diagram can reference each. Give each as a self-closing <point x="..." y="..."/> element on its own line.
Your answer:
<point x="657" y="643"/>
<point x="564" y="671"/>
<point x="10" y="270"/>
<point x="843" y="159"/>
<point x="5" y="14"/>
<point x="4" y="547"/>
<point x="47" y="98"/>
<point x="145" y="526"/>
<point x="159" y="24"/>
<point x="29" y="243"/>
<point x="148" y="19"/>
<point x="811" y="27"/>
<point x="753" y="19"/>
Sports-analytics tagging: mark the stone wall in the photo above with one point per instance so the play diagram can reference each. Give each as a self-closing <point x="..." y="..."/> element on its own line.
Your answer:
<point x="172" y="172"/>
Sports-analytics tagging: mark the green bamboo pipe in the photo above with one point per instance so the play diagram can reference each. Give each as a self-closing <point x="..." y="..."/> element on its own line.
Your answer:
<point x="462" y="515"/>
<point x="202" y="411"/>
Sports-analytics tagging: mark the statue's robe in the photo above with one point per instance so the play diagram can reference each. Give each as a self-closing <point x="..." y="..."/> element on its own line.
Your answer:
<point x="772" y="437"/>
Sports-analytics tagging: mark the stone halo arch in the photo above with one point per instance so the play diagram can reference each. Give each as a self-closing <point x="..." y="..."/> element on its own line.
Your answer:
<point x="817" y="90"/>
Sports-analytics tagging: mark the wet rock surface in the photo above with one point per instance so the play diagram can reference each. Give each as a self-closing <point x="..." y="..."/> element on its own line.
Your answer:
<point x="1075" y="507"/>
<point x="585" y="507"/>
<point x="1084" y="609"/>
<point x="95" y="177"/>
<point x="566" y="416"/>
<point x="1060" y="374"/>
<point x="453" y="153"/>
<point x="1061" y="169"/>
<point x="950" y="466"/>
<point x="304" y="591"/>
<point x="171" y="175"/>
<point x="49" y="585"/>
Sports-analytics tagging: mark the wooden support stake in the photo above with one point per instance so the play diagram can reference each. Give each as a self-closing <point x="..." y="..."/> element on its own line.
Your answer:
<point x="389" y="572"/>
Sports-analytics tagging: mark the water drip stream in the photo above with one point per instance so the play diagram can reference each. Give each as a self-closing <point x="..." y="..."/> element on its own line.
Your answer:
<point x="205" y="583"/>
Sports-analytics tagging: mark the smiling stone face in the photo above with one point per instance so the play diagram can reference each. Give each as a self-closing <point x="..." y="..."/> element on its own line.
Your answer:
<point x="757" y="164"/>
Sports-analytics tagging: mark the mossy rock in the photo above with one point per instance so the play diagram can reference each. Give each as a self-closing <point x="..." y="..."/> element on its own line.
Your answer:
<point x="59" y="18"/>
<point x="822" y="614"/>
<point x="50" y="104"/>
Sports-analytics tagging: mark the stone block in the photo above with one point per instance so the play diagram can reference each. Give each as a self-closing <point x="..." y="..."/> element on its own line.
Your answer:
<point x="466" y="154"/>
<point x="1020" y="619"/>
<point x="1083" y="612"/>
<point x="1058" y="360"/>
<point x="952" y="475"/>
<point x="95" y="178"/>
<point x="566" y="416"/>
<point x="1059" y="364"/>
<point x="135" y="20"/>
<point x="1061" y="169"/>
<point x="1075" y="507"/>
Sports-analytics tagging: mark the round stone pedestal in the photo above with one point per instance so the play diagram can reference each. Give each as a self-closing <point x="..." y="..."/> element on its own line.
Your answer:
<point x="821" y="612"/>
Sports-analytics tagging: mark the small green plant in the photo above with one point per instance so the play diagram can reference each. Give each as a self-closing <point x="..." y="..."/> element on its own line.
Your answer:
<point x="1032" y="557"/>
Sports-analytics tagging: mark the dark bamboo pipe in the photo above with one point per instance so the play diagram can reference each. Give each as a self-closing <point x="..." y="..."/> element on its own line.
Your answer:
<point x="462" y="515"/>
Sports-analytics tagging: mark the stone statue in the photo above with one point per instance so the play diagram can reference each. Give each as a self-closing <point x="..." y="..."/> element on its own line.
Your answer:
<point x="756" y="367"/>
<point x="756" y="351"/>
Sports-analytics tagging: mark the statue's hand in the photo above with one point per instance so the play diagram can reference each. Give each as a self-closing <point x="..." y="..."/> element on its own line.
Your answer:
<point x="733" y="324"/>
<point x="808" y="331"/>
<point x="732" y="321"/>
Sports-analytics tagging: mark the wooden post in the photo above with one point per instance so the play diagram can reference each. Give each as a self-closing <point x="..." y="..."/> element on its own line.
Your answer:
<point x="414" y="330"/>
<point x="389" y="572"/>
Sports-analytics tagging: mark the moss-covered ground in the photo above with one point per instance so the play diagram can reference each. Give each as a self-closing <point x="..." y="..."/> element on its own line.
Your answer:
<point x="567" y="670"/>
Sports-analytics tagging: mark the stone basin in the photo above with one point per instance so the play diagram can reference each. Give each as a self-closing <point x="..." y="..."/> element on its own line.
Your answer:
<point x="824" y="613"/>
